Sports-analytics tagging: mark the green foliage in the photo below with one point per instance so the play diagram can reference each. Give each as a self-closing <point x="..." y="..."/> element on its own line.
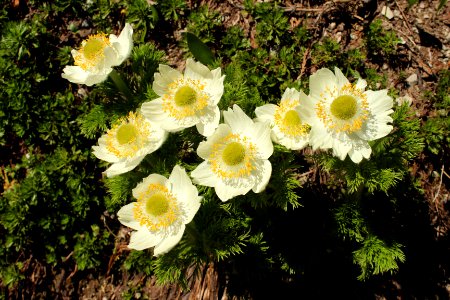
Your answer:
<point x="172" y="10"/>
<point x="271" y="23"/>
<point x="200" y="51"/>
<point x="436" y="129"/>
<point x="205" y="24"/>
<point x="234" y="40"/>
<point x="218" y="231"/>
<point x="380" y="42"/>
<point x="89" y="250"/>
<point x="377" y="257"/>
<point x="143" y="15"/>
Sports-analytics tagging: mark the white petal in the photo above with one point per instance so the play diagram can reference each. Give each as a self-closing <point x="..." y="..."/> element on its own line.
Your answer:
<point x="379" y="102"/>
<point x="126" y="216"/>
<point x="215" y="86"/>
<point x="237" y="119"/>
<point x="340" y="77"/>
<point x="226" y="192"/>
<point x="265" y="113"/>
<point x="361" y="84"/>
<point x="143" y="239"/>
<point x="290" y="94"/>
<point x="294" y="144"/>
<point x="103" y="154"/>
<point x="341" y="146"/>
<point x="374" y="129"/>
<point x="150" y="179"/>
<point x="320" y="138"/>
<point x="169" y="242"/>
<point x="260" y="134"/>
<point x="204" y="176"/>
<point x="208" y="127"/>
<point x="153" y="111"/>
<point x="205" y="148"/>
<point x="76" y="74"/>
<point x="166" y="76"/>
<point x="119" y="168"/>
<point x="266" y="172"/>
<point x="306" y="109"/>
<point x="123" y="44"/>
<point x="181" y="183"/>
<point x="197" y="70"/>
<point x="320" y="81"/>
<point x="185" y="192"/>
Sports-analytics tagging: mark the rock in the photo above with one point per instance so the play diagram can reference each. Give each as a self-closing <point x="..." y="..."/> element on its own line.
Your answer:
<point x="404" y="99"/>
<point x="387" y="12"/>
<point x="412" y="79"/>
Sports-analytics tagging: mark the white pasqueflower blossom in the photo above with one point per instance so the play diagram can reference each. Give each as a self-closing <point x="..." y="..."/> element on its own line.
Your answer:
<point x="343" y="116"/>
<point x="97" y="55"/>
<point x="163" y="208"/>
<point x="186" y="99"/>
<point x="236" y="156"/>
<point x="287" y="127"/>
<point x="127" y="143"/>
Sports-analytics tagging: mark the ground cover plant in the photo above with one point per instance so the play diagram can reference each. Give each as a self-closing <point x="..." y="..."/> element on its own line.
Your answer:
<point x="251" y="149"/>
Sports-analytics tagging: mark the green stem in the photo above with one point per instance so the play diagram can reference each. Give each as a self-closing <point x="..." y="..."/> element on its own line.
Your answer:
<point x="121" y="85"/>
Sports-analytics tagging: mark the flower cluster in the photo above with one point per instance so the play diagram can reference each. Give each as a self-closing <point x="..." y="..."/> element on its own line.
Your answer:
<point x="336" y="115"/>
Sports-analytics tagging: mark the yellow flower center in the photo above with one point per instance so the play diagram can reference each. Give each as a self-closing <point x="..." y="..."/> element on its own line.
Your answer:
<point x="288" y="120"/>
<point x="93" y="48"/>
<point x="233" y="157"/>
<point x="344" y="107"/>
<point x="126" y="133"/>
<point x="157" y="205"/>
<point x="291" y="118"/>
<point x="92" y="51"/>
<point x="347" y="111"/>
<point x="185" y="96"/>
<point x="128" y="136"/>
<point x="233" y="154"/>
<point x="157" y="208"/>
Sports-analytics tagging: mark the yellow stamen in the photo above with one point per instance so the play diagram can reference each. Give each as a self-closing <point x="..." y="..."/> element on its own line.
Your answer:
<point x="128" y="136"/>
<point x="92" y="51"/>
<point x="156" y="208"/>
<point x="185" y="98"/>
<point x="348" y="110"/>
<point x="228" y="165"/>
<point x="288" y="120"/>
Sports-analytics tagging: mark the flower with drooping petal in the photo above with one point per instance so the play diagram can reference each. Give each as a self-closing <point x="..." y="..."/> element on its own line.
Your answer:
<point x="186" y="99"/>
<point x="344" y="116"/>
<point x="236" y="156"/>
<point x="163" y="208"/>
<point x="287" y="127"/>
<point x="97" y="55"/>
<point x="127" y="143"/>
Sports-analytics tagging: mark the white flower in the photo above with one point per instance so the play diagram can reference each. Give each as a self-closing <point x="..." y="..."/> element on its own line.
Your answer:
<point x="97" y="55"/>
<point x="343" y="116"/>
<point x="287" y="127"/>
<point x="163" y="208"/>
<point x="128" y="142"/>
<point x="236" y="156"/>
<point x="186" y="100"/>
